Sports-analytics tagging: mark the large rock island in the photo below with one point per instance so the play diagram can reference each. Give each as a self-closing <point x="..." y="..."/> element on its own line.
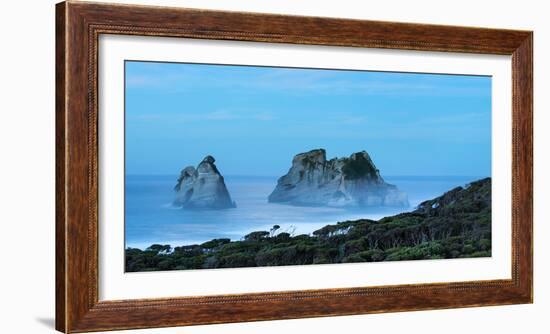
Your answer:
<point x="355" y="181"/>
<point x="203" y="187"/>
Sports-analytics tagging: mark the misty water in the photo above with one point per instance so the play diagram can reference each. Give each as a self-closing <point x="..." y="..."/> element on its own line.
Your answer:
<point x="151" y="218"/>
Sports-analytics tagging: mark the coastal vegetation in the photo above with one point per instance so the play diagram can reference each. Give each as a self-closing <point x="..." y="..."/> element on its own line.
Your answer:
<point x="456" y="224"/>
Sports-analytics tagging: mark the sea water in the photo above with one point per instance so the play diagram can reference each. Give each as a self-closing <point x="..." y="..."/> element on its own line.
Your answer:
<point x="151" y="218"/>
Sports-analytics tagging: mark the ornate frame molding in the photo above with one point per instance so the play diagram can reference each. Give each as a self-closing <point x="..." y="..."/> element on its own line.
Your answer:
<point x="78" y="27"/>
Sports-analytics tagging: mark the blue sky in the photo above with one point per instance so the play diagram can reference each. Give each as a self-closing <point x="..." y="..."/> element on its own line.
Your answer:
<point x="253" y="120"/>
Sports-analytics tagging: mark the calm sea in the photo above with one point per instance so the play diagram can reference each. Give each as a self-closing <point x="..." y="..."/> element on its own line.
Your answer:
<point x="151" y="218"/>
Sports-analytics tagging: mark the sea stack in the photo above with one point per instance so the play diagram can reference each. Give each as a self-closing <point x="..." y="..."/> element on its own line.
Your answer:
<point x="203" y="187"/>
<point x="339" y="182"/>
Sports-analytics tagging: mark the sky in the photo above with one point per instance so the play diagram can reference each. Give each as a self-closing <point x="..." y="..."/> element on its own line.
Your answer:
<point x="253" y="120"/>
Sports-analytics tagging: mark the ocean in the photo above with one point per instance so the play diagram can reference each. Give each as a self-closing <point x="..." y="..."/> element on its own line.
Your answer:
<point x="150" y="217"/>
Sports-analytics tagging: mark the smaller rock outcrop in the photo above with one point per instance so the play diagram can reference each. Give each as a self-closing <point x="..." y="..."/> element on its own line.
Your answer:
<point x="202" y="187"/>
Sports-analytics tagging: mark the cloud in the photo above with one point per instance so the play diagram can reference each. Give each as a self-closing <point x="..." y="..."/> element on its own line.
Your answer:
<point x="223" y="115"/>
<point x="146" y="117"/>
<point x="354" y="120"/>
<point x="173" y="78"/>
<point x="136" y="80"/>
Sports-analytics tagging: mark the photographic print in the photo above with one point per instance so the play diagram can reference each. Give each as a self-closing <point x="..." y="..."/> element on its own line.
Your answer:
<point x="230" y="166"/>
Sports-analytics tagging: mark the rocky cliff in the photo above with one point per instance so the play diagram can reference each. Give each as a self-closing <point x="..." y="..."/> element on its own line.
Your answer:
<point x="203" y="187"/>
<point x="355" y="181"/>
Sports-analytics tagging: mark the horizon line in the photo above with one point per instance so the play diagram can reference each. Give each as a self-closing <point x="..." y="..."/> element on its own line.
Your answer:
<point x="248" y="175"/>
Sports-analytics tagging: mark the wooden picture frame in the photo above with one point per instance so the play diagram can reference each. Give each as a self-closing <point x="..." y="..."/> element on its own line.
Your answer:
<point x="78" y="26"/>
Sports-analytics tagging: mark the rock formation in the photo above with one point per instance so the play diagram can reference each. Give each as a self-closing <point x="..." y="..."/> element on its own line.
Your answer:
<point x="355" y="181"/>
<point x="203" y="187"/>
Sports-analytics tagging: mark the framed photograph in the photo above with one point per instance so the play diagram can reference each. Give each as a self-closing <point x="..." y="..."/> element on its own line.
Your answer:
<point x="223" y="167"/>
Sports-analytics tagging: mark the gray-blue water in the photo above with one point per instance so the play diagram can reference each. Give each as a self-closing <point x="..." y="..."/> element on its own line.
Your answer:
<point x="150" y="217"/>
